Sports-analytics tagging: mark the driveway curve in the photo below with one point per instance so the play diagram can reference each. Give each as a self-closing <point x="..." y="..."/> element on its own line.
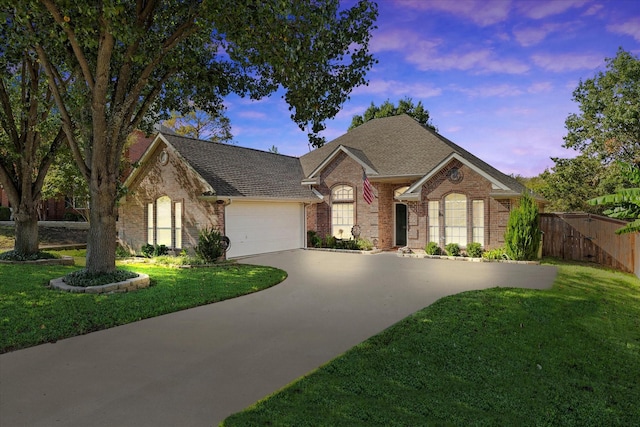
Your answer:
<point x="197" y="366"/>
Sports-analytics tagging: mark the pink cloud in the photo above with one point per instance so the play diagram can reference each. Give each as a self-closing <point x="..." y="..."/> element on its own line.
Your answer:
<point x="479" y="61"/>
<point x="567" y="62"/>
<point x="481" y="12"/>
<point x="397" y="88"/>
<point x="502" y="90"/>
<point x="630" y="28"/>
<point x="540" y="9"/>
<point x="541" y="87"/>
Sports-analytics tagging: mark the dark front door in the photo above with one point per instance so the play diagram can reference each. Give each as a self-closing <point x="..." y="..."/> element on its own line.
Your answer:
<point x="401" y="224"/>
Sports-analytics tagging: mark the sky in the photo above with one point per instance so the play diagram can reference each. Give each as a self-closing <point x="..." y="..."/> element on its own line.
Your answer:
<point x="497" y="76"/>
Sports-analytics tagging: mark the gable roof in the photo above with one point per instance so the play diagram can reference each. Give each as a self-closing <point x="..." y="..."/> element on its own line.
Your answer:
<point x="400" y="146"/>
<point x="238" y="172"/>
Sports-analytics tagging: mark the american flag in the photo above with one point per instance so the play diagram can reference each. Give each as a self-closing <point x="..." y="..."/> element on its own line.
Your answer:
<point x="367" y="189"/>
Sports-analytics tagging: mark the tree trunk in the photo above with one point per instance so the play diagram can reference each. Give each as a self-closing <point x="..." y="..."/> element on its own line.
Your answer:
<point x="101" y="240"/>
<point x="26" y="230"/>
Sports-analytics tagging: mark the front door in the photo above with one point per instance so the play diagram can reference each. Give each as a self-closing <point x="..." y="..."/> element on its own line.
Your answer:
<point x="401" y="224"/>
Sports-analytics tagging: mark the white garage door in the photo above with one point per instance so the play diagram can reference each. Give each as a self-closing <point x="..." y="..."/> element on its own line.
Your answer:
<point x="261" y="227"/>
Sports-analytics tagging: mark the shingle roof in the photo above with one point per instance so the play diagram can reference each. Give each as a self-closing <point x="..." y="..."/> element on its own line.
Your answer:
<point x="400" y="146"/>
<point x="243" y="172"/>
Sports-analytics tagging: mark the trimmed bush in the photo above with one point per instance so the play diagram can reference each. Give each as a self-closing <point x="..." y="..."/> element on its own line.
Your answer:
<point x="452" y="249"/>
<point x="364" y="244"/>
<point x="210" y="244"/>
<point x="498" y="253"/>
<point x="432" y="248"/>
<point x="474" y="250"/>
<point x="5" y="213"/>
<point x="313" y="240"/>
<point x="523" y="234"/>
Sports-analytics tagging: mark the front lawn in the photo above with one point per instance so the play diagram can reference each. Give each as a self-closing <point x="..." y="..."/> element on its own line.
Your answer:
<point x="31" y="314"/>
<point x="569" y="356"/>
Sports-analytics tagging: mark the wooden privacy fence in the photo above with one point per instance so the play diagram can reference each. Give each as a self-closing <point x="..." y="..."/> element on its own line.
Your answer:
<point x="588" y="237"/>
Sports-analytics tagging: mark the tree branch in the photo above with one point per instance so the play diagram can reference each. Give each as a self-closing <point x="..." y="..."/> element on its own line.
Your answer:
<point x="7" y="119"/>
<point x="47" y="161"/>
<point x="77" y="50"/>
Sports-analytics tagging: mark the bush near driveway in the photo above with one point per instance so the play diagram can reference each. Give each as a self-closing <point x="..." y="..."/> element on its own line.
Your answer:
<point x="32" y="314"/>
<point x="569" y="356"/>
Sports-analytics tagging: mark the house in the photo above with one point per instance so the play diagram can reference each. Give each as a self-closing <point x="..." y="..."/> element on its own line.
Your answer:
<point x="425" y="187"/>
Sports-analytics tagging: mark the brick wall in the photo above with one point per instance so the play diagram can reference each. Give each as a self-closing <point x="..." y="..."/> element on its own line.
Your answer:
<point x="180" y="184"/>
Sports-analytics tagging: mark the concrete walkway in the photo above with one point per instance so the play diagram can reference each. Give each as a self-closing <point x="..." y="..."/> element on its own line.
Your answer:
<point x="196" y="367"/>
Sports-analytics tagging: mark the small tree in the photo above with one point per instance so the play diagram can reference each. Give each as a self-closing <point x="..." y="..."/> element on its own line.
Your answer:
<point x="523" y="234"/>
<point x="388" y="109"/>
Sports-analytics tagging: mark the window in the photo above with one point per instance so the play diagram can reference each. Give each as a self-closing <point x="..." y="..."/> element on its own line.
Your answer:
<point x="164" y="223"/>
<point x="342" y="211"/>
<point x="455" y="219"/>
<point x="478" y="221"/>
<point x="434" y="221"/>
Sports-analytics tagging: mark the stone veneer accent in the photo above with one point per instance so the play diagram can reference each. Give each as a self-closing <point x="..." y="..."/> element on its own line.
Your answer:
<point x="142" y="281"/>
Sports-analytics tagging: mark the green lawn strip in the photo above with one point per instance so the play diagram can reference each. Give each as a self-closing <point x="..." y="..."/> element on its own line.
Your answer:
<point x="31" y="314"/>
<point x="569" y="356"/>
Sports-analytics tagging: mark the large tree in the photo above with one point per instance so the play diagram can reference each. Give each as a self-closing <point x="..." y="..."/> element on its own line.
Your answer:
<point x="30" y="135"/>
<point x="608" y="125"/>
<point x="133" y="60"/>
<point x="201" y="125"/>
<point x="571" y="182"/>
<point x="387" y="109"/>
<point x="625" y="202"/>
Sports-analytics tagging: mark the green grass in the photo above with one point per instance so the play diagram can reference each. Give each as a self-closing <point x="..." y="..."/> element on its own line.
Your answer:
<point x="569" y="356"/>
<point x="31" y="314"/>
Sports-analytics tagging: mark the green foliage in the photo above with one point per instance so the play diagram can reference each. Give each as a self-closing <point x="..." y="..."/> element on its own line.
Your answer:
<point x="18" y="256"/>
<point x="210" y="244"/>
<point x="84" y="278"/>
<point x="329" y="241"/>
<point x="571" y="182"/>
<point x="566" y="356"/>
<point x="5" y="213"/>
<point x="474" y="250"/>
<point x="608" y="124"/>
<point x="387" y="109"/>
<point x="495" y="254"/>
<point x="121" y="252"/>
<point x="452" y="249"/>
<point x="364" y="244"/>
<point x="149" y="251"/>
<point x="626" y="201"/>
<point x="523" y="234"/>
<point x="432" y="248"/>
<point x="33" y="314"/>
<point x="313" y="240"/>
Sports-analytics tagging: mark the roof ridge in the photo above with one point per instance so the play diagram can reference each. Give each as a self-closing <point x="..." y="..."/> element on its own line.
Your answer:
<point x="222" y="144"/>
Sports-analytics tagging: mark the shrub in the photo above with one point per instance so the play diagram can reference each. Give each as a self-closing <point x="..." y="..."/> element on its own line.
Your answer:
<point x="351" y="245"/>
<point x="452" y="249"/>
<point x="364" y="244"/>
<point x="83" y="278"/>
<point x="18" y="256"/>
<point x="498" y="253"/>
<point x="329" y="241"/>
<point x="5" y="213"/>
<point x="147" y="250"/>
<point x="122" y="252"/>
<point x="474" y="250"/>
<point x="150" y="251"/>
<point x="210" y="244"/>
<point x="432" y="248"/>
<point x="313" y="240"/>
<point x="523" y="234"/>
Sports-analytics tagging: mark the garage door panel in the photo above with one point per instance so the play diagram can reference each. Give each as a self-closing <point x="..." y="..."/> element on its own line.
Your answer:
<point x="263" y="227"/>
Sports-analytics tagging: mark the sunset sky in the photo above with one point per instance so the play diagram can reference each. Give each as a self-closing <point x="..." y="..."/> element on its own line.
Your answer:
<point x="496" y="76"/>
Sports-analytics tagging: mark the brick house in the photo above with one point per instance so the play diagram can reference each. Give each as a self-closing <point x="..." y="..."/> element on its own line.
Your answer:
<point x="426" y="188"/>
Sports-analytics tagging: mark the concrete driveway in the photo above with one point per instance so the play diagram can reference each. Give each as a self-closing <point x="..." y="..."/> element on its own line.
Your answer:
<point x="196" y="367"/>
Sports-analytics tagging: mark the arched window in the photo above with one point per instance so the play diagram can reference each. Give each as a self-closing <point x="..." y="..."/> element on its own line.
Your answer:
<point x="164" y="223"/>
<point x="455" y="219"/>
<point x="342" y="203"/>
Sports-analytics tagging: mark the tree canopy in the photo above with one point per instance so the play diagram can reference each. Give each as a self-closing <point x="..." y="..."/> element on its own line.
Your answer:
<point x="387" y="109"/>
<point x="608" y="125"/>
<point x="115" y="66"/>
